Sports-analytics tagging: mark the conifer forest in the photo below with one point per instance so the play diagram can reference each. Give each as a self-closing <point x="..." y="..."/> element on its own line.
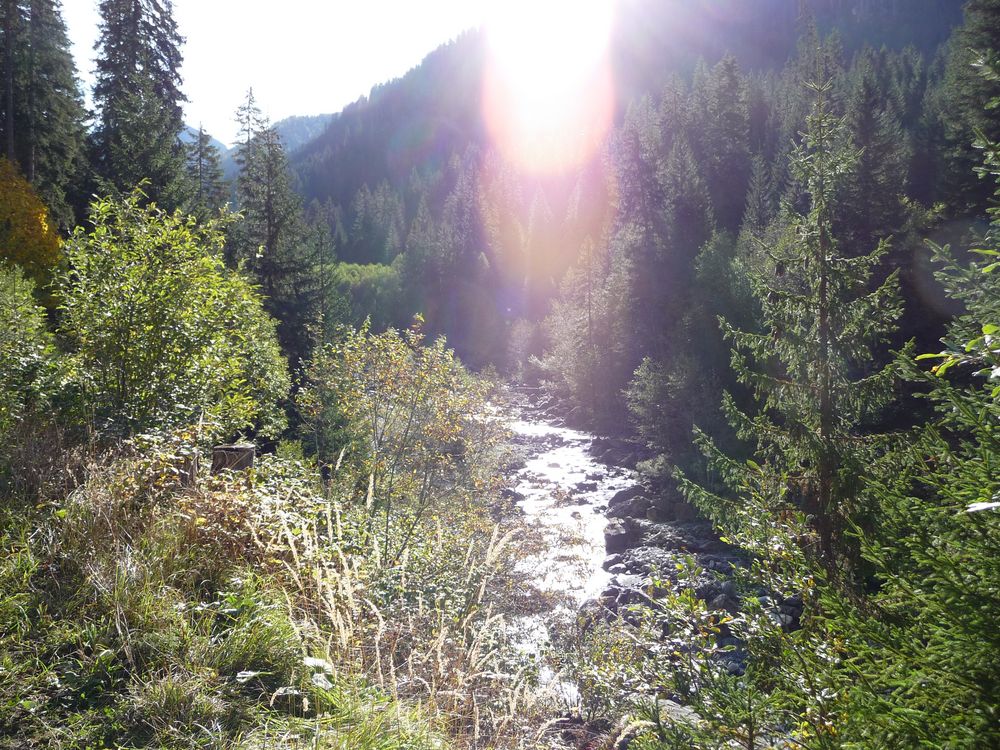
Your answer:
<point x="624" y="376"/>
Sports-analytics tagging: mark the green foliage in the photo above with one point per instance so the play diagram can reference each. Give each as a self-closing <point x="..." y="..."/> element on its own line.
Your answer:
<point x="910" y="660"/>
<point x="966" y="107"/>
<point x="408" y="417"/>
<point x="44" y="129"/>
<point x="138" y="614"/>
<point x="159" y="332"/>
<point x="25" y="351"/>
<point x="810" y="367"/>
<point x="934" y="549"/>
<point x="139" y="101"/>
<point x="372" y="291"/>
<point x="402" y="551"/>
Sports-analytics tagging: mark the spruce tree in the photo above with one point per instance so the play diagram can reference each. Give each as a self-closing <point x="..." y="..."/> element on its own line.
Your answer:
<point x="726" y="140"/>
<point x="270" y="241"/>
<point x="966" y="107"/>
<point x="640" y="234"/>
<point x="43" y="116"/>
<point x="139" y="99"/>
<point x="11" y="28"/>
<point x="873" y="191"/>
<point x="209" y="189"/>
<point x="809" y="368"/>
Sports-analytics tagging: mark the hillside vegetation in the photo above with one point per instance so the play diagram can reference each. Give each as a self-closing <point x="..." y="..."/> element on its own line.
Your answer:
<point x="771" y="286"/>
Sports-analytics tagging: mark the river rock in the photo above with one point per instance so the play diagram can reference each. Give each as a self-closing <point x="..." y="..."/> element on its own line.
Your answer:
<point x="625" y="495"/>
<point x="715" y="588"/>
<point x="724" y="603"/>
<point x="630" y="596"/>
<point x="620" y="534"/>
<point x="723" y="565"/>
<point x="691" y="537"/>
<point x="614" y="452"/>
<point x="650" y="560"/>
<point x="611" y="560"/>
<point x="636" y="507"/>
<point x="627" y="581"/>
<point x="791" y="607"/>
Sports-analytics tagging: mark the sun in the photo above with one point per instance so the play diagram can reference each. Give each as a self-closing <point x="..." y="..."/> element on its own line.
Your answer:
<point x="548" y="92"/>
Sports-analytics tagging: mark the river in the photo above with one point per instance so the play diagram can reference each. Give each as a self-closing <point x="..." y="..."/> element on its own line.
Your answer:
<point x="563" y="492"/>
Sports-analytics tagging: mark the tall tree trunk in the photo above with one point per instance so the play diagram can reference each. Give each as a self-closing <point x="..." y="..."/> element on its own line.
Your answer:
<point x="35" y="30"/>
<point x="10" y="11"/>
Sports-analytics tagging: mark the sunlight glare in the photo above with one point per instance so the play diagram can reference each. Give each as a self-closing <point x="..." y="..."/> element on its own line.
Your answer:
<point x="548" y="89"/>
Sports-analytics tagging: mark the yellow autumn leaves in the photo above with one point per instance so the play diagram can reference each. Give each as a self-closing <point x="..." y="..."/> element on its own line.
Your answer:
<point x="27" y="237"/>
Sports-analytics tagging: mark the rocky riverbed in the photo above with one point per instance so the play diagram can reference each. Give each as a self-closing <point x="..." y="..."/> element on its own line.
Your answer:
<point x="605" y="534"/>
<point x="605" y="530"/>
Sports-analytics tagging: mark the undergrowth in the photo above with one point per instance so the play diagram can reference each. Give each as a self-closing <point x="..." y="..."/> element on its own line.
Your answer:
<point x="246" y="610"/>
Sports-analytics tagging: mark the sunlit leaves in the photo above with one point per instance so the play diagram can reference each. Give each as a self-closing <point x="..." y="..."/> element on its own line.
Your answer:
<point x="27" y="236"/>
<point x="160" y="333"/>
<point x="404" y="415"/>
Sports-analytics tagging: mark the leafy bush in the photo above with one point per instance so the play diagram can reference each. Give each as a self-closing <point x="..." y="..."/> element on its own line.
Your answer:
<point x="25" y="349"/>
<point x="410" y="420"/>
<point x="398" y="559"/>
<point x="27" y="236"/>
<point x="160" y="333"/>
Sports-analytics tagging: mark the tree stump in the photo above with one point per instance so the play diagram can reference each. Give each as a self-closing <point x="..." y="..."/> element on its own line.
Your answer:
<point x="188" y="471"/>
<point x="238" y="457"/>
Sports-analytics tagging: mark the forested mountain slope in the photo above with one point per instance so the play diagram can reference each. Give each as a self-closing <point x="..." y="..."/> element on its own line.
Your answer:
<point x="416" y="122"/>
<point x="706" y="101"/>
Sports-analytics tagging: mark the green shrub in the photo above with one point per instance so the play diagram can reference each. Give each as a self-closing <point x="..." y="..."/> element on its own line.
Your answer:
<point x="25" y="350"/>
<point x="159" y="332"/>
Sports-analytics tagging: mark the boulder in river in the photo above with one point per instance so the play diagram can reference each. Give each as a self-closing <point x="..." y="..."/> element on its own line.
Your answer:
<point x="724" y="603"/>
<point x="625" y="495"/>
<point x="637" y="507"/>
<point x="611" y="560"/>
<point x="621" y="534"/>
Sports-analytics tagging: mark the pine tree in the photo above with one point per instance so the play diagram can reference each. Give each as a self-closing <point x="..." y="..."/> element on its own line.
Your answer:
<point x="43" y="115"/>
<point x="872" y="200"/>
<point x="760" y="200"/>
<point x="270" y="241"/>
<point x="140" y="102"/>
<point x="588" y="359"/>
<point x="209" y="191"/>
<point x="641" y="230"/>
<point x="726" y="140"/>
<point x="809" y="367"/>
<point x="966" y="108"/>
<point x="11" y="29"/>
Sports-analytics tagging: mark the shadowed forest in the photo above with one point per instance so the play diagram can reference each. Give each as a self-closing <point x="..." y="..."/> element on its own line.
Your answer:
<point x="729" y="285"/>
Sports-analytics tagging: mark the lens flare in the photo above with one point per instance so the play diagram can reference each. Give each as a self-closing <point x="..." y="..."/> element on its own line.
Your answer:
<point x="548" y="90"/>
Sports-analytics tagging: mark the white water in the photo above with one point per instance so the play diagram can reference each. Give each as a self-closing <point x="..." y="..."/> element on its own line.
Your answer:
<point x="564" y="492"/>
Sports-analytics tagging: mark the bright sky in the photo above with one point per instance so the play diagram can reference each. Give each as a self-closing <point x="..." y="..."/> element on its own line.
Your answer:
<point x="302" y="57"/>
